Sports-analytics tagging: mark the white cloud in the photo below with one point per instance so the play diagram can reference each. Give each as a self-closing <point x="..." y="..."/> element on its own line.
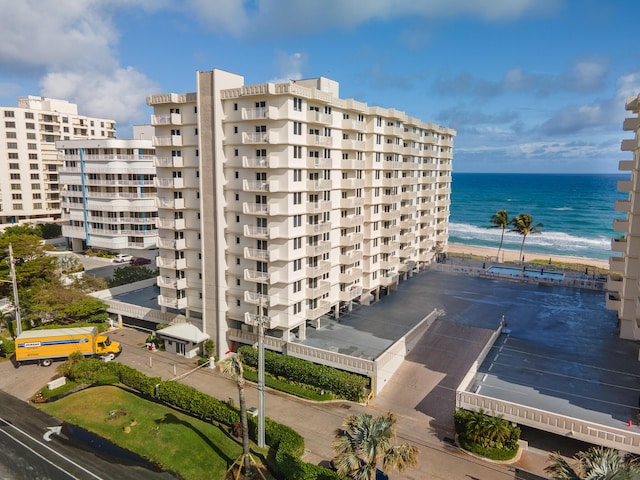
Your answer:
<point x="73" y="44"/>
<point x="289" y="66"/>
<point x="120" y="95"/>
<point x="255" y="18"/>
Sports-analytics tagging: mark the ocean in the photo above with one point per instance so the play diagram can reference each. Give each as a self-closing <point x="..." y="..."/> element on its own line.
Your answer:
<point x="577" y="211"/>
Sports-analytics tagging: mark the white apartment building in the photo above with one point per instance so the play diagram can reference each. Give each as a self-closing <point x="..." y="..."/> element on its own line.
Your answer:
<point x="109" y="193"/>
<point x="280" y="203"/>
<point x="623" y="285"/>
<point x="30" y="189"/>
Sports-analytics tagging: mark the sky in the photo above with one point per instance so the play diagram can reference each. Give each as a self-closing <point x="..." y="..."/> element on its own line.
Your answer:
<point x="531" y="86"/>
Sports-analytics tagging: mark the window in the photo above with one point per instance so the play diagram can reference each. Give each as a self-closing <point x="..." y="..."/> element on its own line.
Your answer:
<point x="297" y="104"/>
<point x="15" y="176"/>
<point x="16" y="196"/>
<point x="297" y="243"/>
<point x="13" y="155"/>
<point x="14" y="166"/>
<point x="235" y="106"/>
<point x="297" y="198"/>
<point x="297" y="151"/>
<point x="35" y="176"/>
<point x="33" y="156"/>
<point x="31" y="136"/>
<point x="9" y="114"/>
<point x="12" y="135"/>
<point x="13" y="145"/>
<point x="10" y="124"/>
<point x="16" y="186"/>
<point x="297" y="286"/>
<point x="37" y="206"/>
<point x="35" y="186"/>
<point x="297" y="175"/>
<point x="297" y="265"/>
<point x="297" y="221"/>
<point x="297" y="128"/>
<point x="36" y="196"/>
<point x="30" y="126"/>
<point x="28" y="114"/>
<point x="32" y="146"/>
<point x="17" y="206"/>
<point x="196" y="131"/>
<point x="297" y="308"/>
<point x="235" y="129"/>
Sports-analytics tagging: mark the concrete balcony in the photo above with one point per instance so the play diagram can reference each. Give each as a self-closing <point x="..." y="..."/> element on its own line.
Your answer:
<point x="168" y="119"/>
<point x="625" y="185"/>
<point x="629" y="145"/>
<point x="350" y="240"/>
<point x="351" y="221"/>
<point x="168" y="162"/>
<point x="390" y="231"/>
<point x="255" y="186"/>
<point x="389" y="279"/>
<point x="177" y="182"/>
<point x="350" y="275"/>
<point x="348" y="144"/>
<point x="256" y="254"/>
<point x="613" y="301"/>
<point x="256" y="276"/>
<point x="317" y="117"/>
<point x="316" y="292"/>
<point x="253" y="319"/>
<point x="168" y="141"/>
<point x="623" y="206"/>
<point x="255" y="162"/>
<point x="614" y="285"/>
<point x="318" y="228"/>
<point x="351" y="124"/>
<point x="259" y="138"/>
<point x="316" y="207"/>
<point x="389" y="264"/>
<point x="620" y="225"/>
<point x="351" y="202"/>
<point x="619" y="245"/>
<point x="256" y="232"/>
<point x="322" y="308"/>
<point x="172" y="302"/>
<point x="173" y="264"/>
<point x="320" y="269"/>
<point x="319" y="141"/>
<point x="171" y="223"/>
<point x="616" y="264"/>
<point x="170" y="203"/>
<point x="351" y="257"/>
<point x="351" y="183"/>
<point x="316" y="163"/>
<point x="319" y="249"/>
<point x="257" y="298"/>
<point x="350" y="293"/>
<point x="406" y="252"/>
<point x="174" y="283"/>
<point x="408" y="195"/>
<point x="172" y="244"/>
<point x="389" y="247"/>
<point x="259" y="113"/>
<point x="631" y="124"/>
<point x="352" y="164"/>
<point x="626" y="165"/>
<point x="315" y="185"/>
<point x="408" y="223"/>
<point x="389" y="182"/>
<point x="256" y="209"/>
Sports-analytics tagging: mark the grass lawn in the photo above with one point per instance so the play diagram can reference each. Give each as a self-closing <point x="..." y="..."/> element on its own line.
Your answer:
<point x="178" y="443"/>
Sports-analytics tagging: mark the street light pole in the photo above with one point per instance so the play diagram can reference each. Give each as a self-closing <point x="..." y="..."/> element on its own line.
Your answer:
<point x="261" y="321"/>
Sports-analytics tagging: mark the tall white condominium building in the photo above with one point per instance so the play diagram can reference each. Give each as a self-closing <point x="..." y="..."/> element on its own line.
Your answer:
<point x="30" y="187"/>
<point x="280" y="203"/>
<point x="623" y="287"/>
<point x="109" y="193"/>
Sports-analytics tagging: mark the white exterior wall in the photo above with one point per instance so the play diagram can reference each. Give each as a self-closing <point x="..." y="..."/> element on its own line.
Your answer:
<point x="624" y="282"/>
<point x="30" y="191"/>
<point x="108" y="193"/>
<point x="307" y="201"/>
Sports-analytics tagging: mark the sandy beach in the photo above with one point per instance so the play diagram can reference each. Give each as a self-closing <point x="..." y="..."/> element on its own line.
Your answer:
<point x="512" y="255"/>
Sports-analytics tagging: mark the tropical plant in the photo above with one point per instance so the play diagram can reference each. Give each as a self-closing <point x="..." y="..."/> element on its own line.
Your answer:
<point x="232" y="366"/>
<point x="364" y="444"/>
<point x="523" y="224"/>
<point x="500" y="220"/>
<point x="597" y="463"/>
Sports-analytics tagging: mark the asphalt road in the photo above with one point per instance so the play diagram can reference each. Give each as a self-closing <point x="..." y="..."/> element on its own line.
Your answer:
<point x="26" y="454"/>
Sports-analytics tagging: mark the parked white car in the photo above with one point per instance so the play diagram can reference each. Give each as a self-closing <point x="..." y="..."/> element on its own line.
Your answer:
<point x="122" y="258"/>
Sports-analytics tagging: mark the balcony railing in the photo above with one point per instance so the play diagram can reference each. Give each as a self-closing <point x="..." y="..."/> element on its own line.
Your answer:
<point x="256" y="254"/>
<point x="256" y="276"/>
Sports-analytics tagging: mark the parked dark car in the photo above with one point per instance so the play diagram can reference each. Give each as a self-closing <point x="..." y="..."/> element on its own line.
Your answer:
<point x="139" y="261"/>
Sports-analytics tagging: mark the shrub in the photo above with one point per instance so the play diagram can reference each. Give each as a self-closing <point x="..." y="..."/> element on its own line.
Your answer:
<point x="343" y="384"/>
<point x="8" y="347"/>
<point x="486" y="435"/>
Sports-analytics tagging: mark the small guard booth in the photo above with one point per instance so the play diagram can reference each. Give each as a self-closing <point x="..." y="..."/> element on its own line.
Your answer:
<point x="183" y="339"/>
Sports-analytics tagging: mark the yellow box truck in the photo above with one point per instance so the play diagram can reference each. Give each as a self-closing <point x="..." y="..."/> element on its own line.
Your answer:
<point x="44" y="346"/>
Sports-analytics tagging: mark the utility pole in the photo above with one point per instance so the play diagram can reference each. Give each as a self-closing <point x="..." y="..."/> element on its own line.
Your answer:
<point x="261" y="321"/>
<point x="14" y="282"/>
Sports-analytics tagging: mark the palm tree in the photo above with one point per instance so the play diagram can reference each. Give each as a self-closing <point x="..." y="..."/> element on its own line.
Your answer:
<point x="523" y="224"/>
<point x="597" y="463"/>
<point x="500" y="220"/>
<point x="232" y="366"/>
<point x="476" y="426"/>
<point x="365" y="442"/>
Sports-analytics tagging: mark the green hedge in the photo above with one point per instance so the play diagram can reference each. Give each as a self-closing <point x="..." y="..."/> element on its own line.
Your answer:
<point x="477" y="433"/>
<point x="8" y="347"/>
<point x="342" y="384"/>
<point x="287" y="444"/>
